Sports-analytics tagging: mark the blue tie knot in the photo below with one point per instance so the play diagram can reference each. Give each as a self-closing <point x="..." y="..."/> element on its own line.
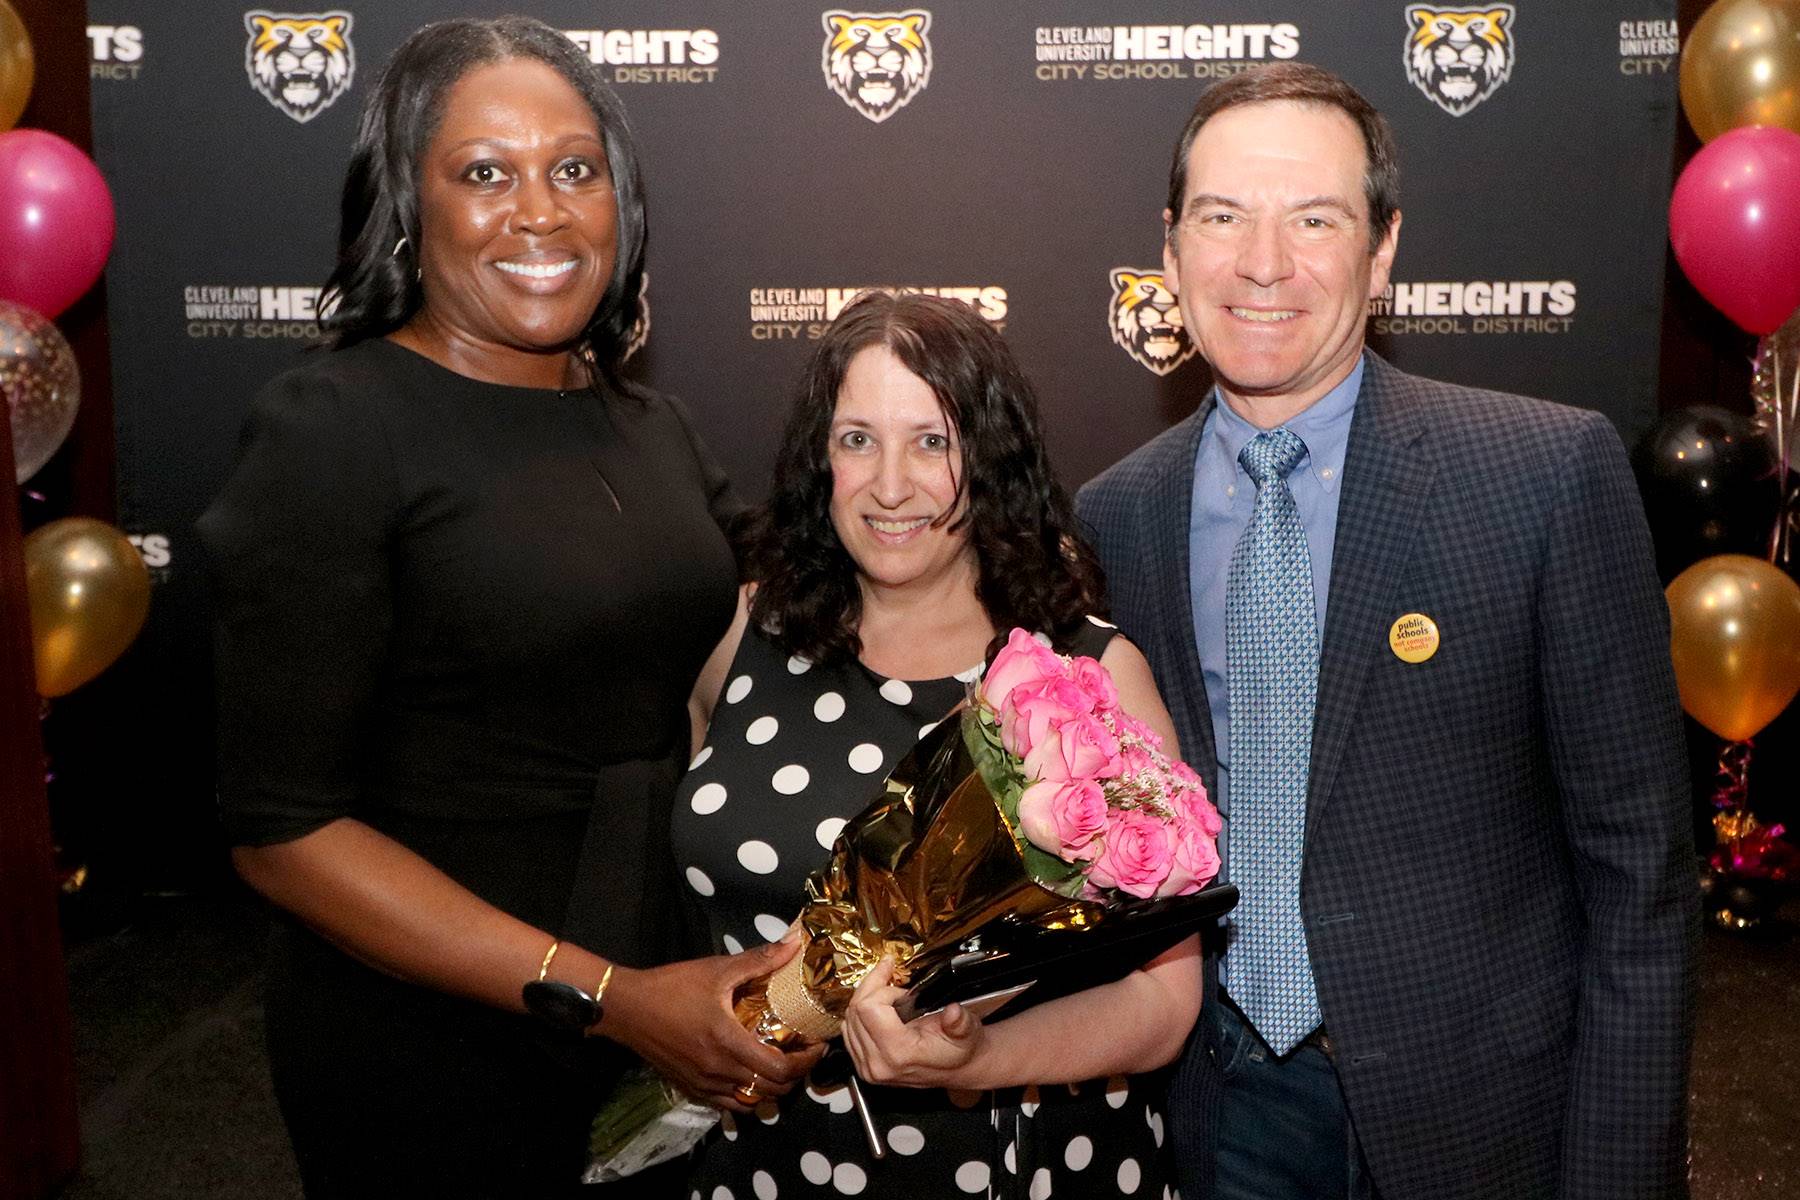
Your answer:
<point x="1271" y="455"/>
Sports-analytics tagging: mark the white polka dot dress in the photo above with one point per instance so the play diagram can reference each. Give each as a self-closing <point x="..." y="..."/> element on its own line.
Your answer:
<point x="796" y="749"/>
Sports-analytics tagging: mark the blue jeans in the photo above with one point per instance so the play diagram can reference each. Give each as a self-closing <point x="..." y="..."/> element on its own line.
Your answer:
<point x="1284" y="1133"/>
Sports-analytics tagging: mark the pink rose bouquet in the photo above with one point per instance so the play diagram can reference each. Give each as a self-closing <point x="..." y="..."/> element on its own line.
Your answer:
<point x="1097" y="808"/>
<point x="1043" y="812"/>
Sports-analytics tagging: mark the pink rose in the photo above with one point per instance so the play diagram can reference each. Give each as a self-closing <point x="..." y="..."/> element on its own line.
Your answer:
<point x="1079" y="747"/>
<point x="1090" y="749"/>
<point x="1196" y="860"/>
<point x="1064" y="818"/>
<point x="1185" y="776"/>
<point x="1024" y="662"/>
<point x="1030" y="714"/>
<point x="1137" y="856"/>
<point x="1097" y="682"/>
<point x="1135" y="761"/>
<point x="1195" y="809"/>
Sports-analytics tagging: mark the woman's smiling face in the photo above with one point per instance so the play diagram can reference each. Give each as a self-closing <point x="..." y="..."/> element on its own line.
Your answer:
<point x="895" y="463"/>
<point x="519" y="224"/>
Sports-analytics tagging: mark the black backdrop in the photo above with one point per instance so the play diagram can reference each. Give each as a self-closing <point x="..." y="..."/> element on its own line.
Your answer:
<point x="1025" y="168"/>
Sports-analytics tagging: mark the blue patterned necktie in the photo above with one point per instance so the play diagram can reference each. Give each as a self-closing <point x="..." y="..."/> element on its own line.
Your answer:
<point x="1272" y="679"/>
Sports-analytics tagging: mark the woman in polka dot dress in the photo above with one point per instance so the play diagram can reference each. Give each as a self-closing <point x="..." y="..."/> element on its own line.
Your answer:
<point x="914" y="517"/>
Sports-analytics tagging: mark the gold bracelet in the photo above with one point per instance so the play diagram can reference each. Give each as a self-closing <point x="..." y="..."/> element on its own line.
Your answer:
<point x="605" y="978"/>
<point x="544" y="970"/>
<point x="600" y="993"/>
<point x="563" y="1005"/>
<point x="550" y="956"/>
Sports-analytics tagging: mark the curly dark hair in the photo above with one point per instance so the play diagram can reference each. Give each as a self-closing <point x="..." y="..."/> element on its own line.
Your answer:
<point x="1034" y="568"/>
<point x="375" y="289"/>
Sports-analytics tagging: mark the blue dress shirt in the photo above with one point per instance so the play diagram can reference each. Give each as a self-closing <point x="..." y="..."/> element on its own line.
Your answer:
<point x="1224" y="498"/>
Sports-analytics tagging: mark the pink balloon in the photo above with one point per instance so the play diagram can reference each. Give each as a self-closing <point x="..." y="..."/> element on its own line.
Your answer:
<point x="1735" y="225"/>
<point x="56" y="221"/>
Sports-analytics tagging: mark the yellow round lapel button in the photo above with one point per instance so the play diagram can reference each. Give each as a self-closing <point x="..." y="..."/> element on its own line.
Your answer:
<point x="1413" y="638"/>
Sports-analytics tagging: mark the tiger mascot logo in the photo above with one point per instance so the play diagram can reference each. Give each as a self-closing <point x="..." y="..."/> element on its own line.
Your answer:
<point x="1459" y="56"/>
<point x="301" y="62"/>
<point x="877" y="62"/>
<point x="1146" y="321"/>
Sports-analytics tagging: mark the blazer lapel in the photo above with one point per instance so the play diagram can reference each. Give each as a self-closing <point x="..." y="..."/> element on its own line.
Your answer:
<point x="1386" y="479"/>
<point x="1172" y="509"/>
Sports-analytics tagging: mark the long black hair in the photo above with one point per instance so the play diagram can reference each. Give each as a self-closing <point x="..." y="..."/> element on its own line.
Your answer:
<point x="1034" y="569"/>
<point x="375" y="286"/>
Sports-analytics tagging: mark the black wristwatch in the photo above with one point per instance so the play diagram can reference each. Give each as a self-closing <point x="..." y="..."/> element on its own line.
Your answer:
<point x="564" y="1006"/>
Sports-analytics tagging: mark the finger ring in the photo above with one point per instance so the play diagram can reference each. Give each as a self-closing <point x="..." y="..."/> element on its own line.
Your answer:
<point x="748" y="1093"/>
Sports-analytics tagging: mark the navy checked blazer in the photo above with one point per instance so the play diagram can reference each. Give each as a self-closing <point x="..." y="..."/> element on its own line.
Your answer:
<point x="1499" y="883"/>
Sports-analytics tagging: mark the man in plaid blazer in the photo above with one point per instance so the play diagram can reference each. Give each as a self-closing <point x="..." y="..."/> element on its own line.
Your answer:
<point x="1497" y="881"/>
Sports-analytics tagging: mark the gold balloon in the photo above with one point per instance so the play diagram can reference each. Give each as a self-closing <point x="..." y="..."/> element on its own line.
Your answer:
<point x="89" y="594"/>
<point x="1736" y="642"/>
<point x="1741" y="66"/>
<point x="16" y="66"/>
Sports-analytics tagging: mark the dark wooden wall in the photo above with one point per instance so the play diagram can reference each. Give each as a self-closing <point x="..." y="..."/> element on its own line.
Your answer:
<point x="39" y="1145"/>
<point x="37" y="1075"/>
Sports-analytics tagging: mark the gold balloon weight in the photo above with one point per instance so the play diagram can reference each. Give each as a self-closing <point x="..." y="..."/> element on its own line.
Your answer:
<point x="1752" y="867"/>
<point x="89" y="593"/>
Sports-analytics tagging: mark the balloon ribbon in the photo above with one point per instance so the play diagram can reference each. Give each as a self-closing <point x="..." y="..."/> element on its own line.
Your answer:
<point x="1776" y="387"/>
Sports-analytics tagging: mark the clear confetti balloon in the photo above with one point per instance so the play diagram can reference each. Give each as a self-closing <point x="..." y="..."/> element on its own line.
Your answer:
<point x="41" y="386"/>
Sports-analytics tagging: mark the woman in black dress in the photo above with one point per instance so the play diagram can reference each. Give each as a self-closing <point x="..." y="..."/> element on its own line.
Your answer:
<point x="914" y="518"/>
<point x="466" y="576"/>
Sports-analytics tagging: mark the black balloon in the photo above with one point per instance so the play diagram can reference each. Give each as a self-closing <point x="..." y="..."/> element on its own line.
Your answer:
<point x="1709" y="482"/>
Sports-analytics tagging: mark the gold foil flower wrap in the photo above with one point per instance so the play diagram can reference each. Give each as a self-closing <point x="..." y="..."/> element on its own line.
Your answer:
<point x="931" y="875"/>
<point x="928" y="864"/>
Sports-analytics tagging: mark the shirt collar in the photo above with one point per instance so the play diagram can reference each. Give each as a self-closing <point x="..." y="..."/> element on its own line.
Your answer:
<point x="1323" y="425"/>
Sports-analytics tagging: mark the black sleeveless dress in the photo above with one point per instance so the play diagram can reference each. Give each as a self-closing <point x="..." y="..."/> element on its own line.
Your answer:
<point x="793" y="751"/>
